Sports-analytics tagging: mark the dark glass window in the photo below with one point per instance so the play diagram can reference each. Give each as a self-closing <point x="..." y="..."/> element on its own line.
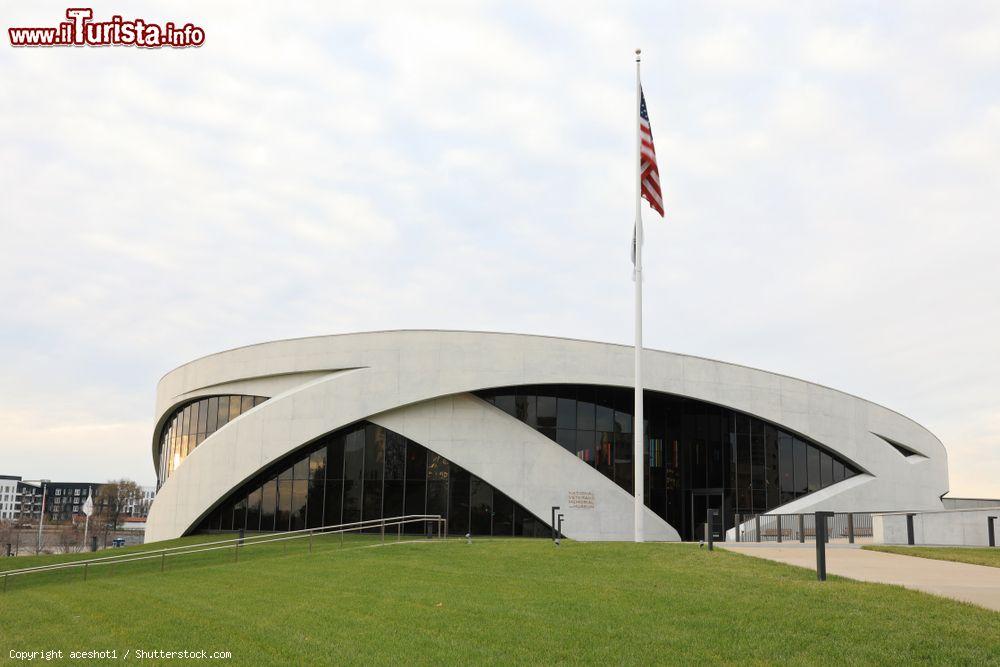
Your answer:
<point x="395" y="457"/>
<point x="566" y="437"/>
<point x="481" y="507"/>
<point x="506" y="403"/>
<point x="240" y="515"/>
<point x="300" y="494"/>
<point x="546" y="411"/>
<point x="247" y="404"/>
<point x="317" y="464"/>
<point x="316" y="502"/>
<point x="585" y="450"/>
<point x="213" y="414"/>
<point x="605" y="453"/>
<point x="458" y="512"/>
<point x="566" y="413"/>
<point x="188" y="426"/>
<point x="524" y="409"/>
<point x="437" y="498"/>
<point x="801" y="468"/>
<point x="437" y="469"/>
<point x="585" y="415"/>
<point x="392" y="498"/>
<point x="352" y="501"/>
<point x="623" y="422"/>
<point x="354" y="454"/>
<point x="335" y="457"/>
<point x="253" y="510"/>
<point x="623" y="461"/>
<point x="301" y="468"/>
<point x="416" y="466"/>
<point x="416" y="496"/>
<point x="838" y="471"/>
<point x="503" y="514"/>
<point x="605" y="418"/>
<point x="195" y="416"/>
<point x="814" y="475"/>
<point x="772" y="476"/>
<point x="786" y="462"/>
<point x="268" y="503"/>
<point x="373" y="500"/>
<point x="282" y="515"/>
<point x="825" y="469"/>
<point x="334" y="492"/>
<point x="222" y="418"/>
<point x="374" y="452"/>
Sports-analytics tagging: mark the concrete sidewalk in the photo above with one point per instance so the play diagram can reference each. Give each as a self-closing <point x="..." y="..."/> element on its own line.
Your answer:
<point x="977" y="584"/>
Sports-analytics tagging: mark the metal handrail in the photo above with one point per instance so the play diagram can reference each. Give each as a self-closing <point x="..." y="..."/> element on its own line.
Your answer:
<point x="236" y="543"/>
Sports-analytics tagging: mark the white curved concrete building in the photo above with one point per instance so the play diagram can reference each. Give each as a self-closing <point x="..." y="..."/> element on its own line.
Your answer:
<point x="493" y="429"/>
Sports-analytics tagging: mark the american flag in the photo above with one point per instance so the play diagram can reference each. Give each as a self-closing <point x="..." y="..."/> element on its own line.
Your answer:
<point x="649" y="176"/>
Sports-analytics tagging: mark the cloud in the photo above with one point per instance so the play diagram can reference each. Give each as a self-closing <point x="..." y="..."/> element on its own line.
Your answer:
<point x="830" y="177"/>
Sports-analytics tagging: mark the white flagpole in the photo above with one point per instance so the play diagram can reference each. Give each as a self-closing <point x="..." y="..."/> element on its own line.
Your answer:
<point x="637" y="429"/>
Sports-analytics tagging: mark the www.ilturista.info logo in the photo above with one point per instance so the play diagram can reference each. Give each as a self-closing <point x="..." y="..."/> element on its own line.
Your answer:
<point x="80" y="30"/>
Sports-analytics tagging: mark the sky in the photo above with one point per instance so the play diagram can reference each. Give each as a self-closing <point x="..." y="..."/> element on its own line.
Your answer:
<point x="831" y="175"/>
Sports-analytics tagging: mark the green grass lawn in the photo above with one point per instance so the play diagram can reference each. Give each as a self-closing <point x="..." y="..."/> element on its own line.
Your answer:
<point x="495" y="601"/>
<point x="976" y="555"/>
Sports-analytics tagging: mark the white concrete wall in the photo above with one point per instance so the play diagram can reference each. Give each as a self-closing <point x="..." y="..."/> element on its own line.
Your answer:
<point x="947" y="527"/>
<point x="529" y="467"/>
<point x="320" y="384"/>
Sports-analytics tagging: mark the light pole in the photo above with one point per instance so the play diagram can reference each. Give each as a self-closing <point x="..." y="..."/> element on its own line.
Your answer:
<point x="41" y="515"/>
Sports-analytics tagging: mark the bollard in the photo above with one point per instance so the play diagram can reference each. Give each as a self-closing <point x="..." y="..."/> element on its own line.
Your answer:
<point x="468" y="538"/>
<point x="850" y="528"/>
<point x="909" y="529"/>
<point x="554" y="538"/>
<point x="756" y="528"/>
<point x="737" y="527"/>
<point x="399" y="531"/>
<point x="779" y="527"/>
<point x="821" y="518"/>
<point x="163" y="560"/>
<point x="383" y="531"/>
<point x="802" y="528"/>
<point x="310" y="541"/>
<point x="991" y="530"/>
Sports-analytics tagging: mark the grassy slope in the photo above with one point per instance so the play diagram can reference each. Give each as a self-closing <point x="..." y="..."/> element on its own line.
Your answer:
<point x="497" y="601"/>
<point x="976" y="555"/>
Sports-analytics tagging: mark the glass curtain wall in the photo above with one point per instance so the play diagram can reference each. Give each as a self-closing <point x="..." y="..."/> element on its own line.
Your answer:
<point x="692" y="448"/>
<point x="367" y="472"/>
<point x="191" y="423"/>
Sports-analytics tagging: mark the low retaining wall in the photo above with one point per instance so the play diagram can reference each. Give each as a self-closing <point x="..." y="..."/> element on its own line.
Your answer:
<point x="964" y="527"/>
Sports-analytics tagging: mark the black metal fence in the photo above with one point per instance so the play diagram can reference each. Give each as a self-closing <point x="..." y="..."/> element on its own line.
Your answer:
<point x="842" y="526"/>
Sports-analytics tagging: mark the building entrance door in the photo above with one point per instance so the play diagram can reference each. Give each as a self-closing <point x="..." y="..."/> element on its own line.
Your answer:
<point x="701" y="502"/>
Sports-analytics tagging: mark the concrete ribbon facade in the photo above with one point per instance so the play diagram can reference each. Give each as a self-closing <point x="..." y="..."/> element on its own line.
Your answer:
<point x="418" y="384"/>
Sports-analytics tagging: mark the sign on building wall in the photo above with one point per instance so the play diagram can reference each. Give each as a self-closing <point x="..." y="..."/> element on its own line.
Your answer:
<point x="581" y="500"/>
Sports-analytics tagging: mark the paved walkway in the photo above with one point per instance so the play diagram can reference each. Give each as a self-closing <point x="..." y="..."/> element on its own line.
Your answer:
<point x="977" y="584"/>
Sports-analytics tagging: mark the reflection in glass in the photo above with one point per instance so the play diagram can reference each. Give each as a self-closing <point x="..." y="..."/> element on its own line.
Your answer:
<point x="189" y="425"/>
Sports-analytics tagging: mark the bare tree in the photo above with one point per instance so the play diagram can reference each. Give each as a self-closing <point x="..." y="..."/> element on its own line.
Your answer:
<point x="112" y="502"/>
<point x="70" y="538"/>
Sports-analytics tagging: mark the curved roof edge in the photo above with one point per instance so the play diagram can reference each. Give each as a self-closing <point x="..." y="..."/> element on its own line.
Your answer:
<point x="529" y="335"/>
